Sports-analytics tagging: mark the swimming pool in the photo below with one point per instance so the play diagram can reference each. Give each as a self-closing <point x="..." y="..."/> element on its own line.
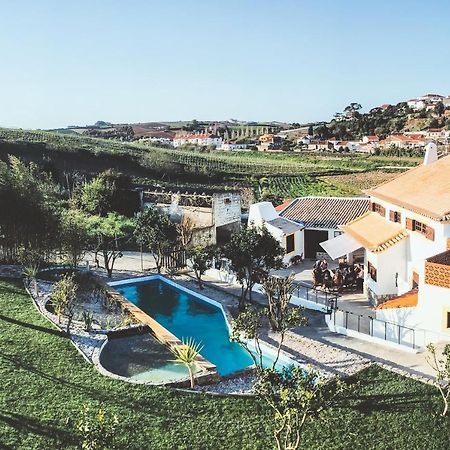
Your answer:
<point x="188" y="314"/>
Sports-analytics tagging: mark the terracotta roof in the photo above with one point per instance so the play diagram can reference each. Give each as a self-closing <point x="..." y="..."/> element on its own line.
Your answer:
<point x="284" y="205"/>
<point x="407" y="300"/>
<point x="325" y="212"/>
<point x="424" y="190"/>
<point x="374" y="232"/>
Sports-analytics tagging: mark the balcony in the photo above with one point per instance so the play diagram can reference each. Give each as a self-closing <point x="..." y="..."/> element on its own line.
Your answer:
<point x="437" y="270"/>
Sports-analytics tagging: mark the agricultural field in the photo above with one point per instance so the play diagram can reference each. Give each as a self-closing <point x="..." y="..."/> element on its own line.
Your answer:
<point x="355" y="183"/>
<point x="285" y="175"/>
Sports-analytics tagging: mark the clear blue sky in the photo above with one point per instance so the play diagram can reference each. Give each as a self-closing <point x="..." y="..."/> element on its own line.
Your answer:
<point x="77" y="62"/>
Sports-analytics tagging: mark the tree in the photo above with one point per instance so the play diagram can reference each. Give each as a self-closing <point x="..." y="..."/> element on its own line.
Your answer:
<point x="109" y="191"/>
<point x="110" y="234"/>
<point x="30" y="272"/>
<point x="441" y="366"/>
<point x="74" y="234"/>
<point x="249" y="323"/>
<point x="310" y="130"/>
<point x="352" y="107"/>
<point x="201" y="260"/>
<point x="295" y="395"/>
<point x="253" y="253"/>
<point x="30" y="204"/>
<point x="439" y="109"/>
<point x="186" y="231"/>
<point x="63" y="299"/>
<point x="157" y="232"/>
<point x="187" y="354"/>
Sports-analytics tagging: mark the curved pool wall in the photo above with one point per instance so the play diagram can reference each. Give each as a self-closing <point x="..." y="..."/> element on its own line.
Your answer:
<point x="186" y="313"/>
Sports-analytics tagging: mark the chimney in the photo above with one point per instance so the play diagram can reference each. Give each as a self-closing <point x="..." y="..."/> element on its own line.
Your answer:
<point x="431" y="154"/>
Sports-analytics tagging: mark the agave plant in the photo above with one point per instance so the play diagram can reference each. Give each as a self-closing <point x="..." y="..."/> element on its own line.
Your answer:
<point x="186" y="353"/>
<point x="31" y="271"/>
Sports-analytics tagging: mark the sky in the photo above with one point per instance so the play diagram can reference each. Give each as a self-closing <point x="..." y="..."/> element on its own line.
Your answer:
<point x="65" y="63"/>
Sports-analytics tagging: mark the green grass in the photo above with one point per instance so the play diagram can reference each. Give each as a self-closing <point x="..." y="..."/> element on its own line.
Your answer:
<point x="44" y="381"/>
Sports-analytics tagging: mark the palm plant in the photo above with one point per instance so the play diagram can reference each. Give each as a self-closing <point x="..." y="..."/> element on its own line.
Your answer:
<point x="31" y="271"/>
<point x="186" y="353"/>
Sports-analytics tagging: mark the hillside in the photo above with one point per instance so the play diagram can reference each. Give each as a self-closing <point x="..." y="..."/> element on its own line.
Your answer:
<point x="382" y="121"/>
<point x="288" y="174"/>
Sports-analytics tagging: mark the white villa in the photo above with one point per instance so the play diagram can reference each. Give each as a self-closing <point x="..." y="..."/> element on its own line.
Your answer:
<point x="406" y="242"/>
<point x="401" y="233"/>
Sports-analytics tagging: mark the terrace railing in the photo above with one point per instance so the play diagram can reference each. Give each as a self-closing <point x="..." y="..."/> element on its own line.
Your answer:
<point x="387" y="331"/>
<point x="304" y="291"/>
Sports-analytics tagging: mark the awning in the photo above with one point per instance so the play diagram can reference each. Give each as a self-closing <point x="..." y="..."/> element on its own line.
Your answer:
<point x="340" y="246"/>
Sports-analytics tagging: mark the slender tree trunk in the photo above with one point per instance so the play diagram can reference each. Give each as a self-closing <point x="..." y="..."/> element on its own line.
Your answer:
<point x="191" y="376"/>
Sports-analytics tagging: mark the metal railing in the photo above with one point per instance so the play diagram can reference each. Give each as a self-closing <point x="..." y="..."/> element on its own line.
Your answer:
<point x="307" y="292"/>
<point x="381" y="329"/>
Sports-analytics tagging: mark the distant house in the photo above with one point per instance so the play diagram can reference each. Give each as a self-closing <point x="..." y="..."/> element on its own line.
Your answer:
<point x="416" y="104"/>
<point x="405" y="141"/>
<point x="370" y="139"/>
<point x="431" y="98"/>
<point x="226" y="146"/>
<point x="314" y="145"/>
<point x="203" y="139"/>
<point x="269" y="142"/>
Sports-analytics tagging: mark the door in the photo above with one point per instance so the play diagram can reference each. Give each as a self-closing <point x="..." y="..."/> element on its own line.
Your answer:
<point x="312" y="240"/>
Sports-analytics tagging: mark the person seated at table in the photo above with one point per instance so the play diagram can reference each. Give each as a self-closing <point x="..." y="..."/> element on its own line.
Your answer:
<point x="323" y="265"/>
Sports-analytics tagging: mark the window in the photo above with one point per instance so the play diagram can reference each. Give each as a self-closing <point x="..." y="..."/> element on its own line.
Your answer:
<point x="448" y="319"/>
<point x="227" y="201"/>
<point x="290" y="243"/>
<point x="337" y="233"/>
<point x="421" y="228"/>
<point x="395" y="216"/>
<point x="376" y="207"/>
<point x="372" y="271"/>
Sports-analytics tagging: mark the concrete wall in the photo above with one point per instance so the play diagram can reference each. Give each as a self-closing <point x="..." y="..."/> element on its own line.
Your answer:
<point x="388" y="263"/>
<point x="226" y="208"/>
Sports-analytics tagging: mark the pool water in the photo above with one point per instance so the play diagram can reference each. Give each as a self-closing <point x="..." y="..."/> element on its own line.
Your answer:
<point x="188" y="316"/>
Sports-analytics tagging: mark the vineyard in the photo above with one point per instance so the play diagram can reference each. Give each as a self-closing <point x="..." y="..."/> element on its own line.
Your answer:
<point x="282" y="188"/>
<point x="279" y="176"/>
<point x="249" y="164"/>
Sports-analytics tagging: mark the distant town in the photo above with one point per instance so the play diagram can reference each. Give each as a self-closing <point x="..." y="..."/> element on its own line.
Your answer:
<point x="408" y="126"/>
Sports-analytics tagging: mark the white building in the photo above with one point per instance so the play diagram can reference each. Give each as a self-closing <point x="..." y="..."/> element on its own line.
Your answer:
<point x="233" y="146"/>
<point x="301" y="225"/>
<point x="406" y="239"/>
<point x="287" y="232"/>
<point x="203" y="139"/>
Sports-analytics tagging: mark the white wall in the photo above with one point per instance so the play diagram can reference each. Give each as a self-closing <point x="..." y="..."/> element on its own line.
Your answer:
<point x="418" y="247"/>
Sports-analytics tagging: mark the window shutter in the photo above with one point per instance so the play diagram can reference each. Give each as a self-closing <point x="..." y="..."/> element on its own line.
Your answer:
<point x="429" y="233"/>
<point x="409" y="224"/>
<point x="392" y="216"/>
<point x="371" y="206"/>
<point x="382" y="211"/>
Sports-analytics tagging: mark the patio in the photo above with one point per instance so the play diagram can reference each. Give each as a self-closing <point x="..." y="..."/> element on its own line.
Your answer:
<point x="353" y="302"/>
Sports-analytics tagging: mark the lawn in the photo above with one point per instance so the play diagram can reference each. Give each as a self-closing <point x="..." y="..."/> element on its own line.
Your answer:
<point x="44" y="382"/>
